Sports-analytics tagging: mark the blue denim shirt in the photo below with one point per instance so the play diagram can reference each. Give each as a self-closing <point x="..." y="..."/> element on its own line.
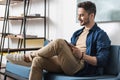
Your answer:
<point x="97" y="44"/>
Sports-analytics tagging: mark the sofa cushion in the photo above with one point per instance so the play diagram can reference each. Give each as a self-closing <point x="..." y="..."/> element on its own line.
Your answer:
<point x="55" y="76"/>
<point x="21" y="71"/>
<point x="113" y="66"/>
<point x="111" y="71"/>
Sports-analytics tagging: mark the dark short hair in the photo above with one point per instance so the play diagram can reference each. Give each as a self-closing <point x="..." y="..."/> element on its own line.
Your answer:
<point x="89" y="6"/>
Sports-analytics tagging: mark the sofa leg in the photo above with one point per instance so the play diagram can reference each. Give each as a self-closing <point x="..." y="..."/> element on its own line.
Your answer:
<point x="5" y="76"/>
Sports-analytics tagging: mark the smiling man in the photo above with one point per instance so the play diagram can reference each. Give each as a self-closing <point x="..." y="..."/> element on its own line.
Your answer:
<point x="86" y="55"/>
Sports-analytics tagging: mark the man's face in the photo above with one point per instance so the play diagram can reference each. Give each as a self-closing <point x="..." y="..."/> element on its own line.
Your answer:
<point x="83" y="17"/>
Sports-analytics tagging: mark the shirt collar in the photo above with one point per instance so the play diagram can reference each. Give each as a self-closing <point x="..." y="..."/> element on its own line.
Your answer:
<point x="94" y="27"/>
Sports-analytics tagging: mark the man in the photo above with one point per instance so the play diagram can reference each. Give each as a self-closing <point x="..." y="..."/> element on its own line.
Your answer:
<point x="85" y="56"/>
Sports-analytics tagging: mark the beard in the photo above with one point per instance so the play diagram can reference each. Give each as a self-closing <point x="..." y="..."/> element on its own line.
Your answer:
<point x="84" y="22"/>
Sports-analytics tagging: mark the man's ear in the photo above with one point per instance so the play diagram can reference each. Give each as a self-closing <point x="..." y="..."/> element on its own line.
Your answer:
<point x="92" y="15"/>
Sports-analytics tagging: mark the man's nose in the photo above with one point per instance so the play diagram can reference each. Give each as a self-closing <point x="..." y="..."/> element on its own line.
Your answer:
<point x="79" y="18"/>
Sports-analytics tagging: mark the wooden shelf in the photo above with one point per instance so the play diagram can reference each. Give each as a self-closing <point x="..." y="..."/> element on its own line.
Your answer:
<point x="4" y="34"/>
<point x="3" y="2"/>
<point x="25" y="38"/>
<point x="20" y="36"/>
<point x="1" y="18"/>
<point x="20" y="49"/>
<point x="27" y="17"/>
<point x="21" y="17"/>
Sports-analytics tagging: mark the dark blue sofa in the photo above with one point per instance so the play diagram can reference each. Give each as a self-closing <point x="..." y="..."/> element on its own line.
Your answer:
<point x="111" y="72"/>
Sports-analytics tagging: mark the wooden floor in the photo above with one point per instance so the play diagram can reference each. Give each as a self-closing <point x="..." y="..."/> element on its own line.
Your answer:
<point x="2" y="78"/>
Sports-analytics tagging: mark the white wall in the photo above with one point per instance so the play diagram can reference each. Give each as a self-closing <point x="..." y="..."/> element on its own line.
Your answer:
<point x="113" y="30"/>
<point x="62" y="15"/>
<point x="62" y="21"/>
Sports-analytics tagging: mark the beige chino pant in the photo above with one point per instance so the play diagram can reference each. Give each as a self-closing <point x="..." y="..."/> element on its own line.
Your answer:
<point x="54" y="57"/>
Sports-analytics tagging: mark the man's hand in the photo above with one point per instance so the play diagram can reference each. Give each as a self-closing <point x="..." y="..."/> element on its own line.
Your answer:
<point x="76" y="52"/>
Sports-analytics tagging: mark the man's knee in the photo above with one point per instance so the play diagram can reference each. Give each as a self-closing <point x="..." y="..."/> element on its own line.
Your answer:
<point x="60" y="41"/>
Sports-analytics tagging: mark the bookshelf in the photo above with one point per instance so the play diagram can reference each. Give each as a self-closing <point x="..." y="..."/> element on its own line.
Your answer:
<point x="21" y="38"/>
